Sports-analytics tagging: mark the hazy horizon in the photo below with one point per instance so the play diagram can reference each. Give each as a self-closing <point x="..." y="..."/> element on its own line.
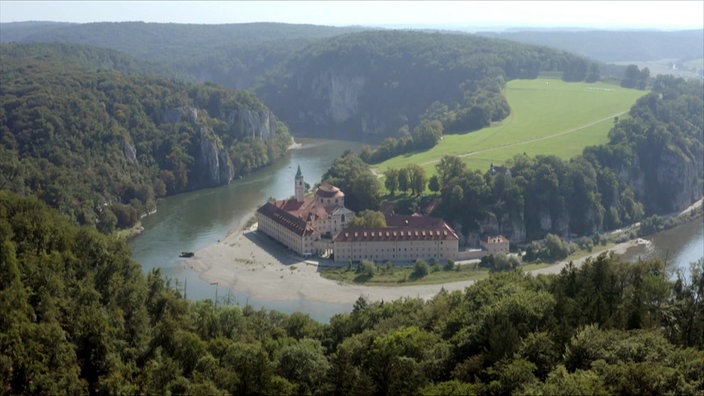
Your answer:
<point x="453" y="15"/>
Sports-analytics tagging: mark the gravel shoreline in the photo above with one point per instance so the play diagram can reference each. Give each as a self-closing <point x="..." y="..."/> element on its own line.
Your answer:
<point x="252" y="263"/>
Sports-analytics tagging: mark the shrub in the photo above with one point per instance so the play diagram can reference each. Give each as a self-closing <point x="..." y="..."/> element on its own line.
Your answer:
<point x="421" y="268"/>
<point x="367" y="267"/>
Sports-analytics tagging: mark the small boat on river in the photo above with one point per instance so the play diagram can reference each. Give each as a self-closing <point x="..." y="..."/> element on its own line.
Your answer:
<point x="186" y="254"/>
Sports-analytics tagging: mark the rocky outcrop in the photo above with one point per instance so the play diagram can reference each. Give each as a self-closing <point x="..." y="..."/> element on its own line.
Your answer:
<point x="179" y="114"/>
<point x="512" y="227"/>
<point x="679" y="175"/>
<point x="340" y="94"/>
<point x="668" y="182"/>
<point x="258" y="124"/>
<point x="130" y="152"/>
<point x="331" y="103"/>
<point x="213" y="165"/>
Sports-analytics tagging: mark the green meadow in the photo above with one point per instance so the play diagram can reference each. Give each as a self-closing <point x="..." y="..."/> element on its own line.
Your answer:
<point x="548" y="116"/>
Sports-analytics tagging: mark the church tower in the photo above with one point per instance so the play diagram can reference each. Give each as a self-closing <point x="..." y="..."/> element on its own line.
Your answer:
<point x="300" y="185"/>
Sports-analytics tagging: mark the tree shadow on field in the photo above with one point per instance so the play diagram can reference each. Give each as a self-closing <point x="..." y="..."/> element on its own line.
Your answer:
<point x="361" y="278"/>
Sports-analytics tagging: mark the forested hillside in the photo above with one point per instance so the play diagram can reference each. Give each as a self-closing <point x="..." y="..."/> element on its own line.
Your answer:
<point x="80" y="317"/>
<point x="101" y="145"/>
<point x="653" y="164"/>
<point x="89" y="58"/>
<point x="234" y="55"/>
<point x="371" y="85"/>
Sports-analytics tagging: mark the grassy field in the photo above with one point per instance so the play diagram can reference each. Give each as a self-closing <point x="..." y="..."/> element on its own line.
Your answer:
<point x="548" y="116"/>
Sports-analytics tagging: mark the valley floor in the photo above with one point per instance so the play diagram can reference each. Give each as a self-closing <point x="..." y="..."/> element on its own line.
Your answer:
<point x="251" y="263"/>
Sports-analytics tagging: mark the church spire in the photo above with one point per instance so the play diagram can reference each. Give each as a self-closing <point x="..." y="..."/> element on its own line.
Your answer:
<point x="299" y="185"/>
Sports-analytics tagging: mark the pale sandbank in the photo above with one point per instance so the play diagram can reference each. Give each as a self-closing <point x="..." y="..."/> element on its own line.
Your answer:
<point x="252" y="263"/>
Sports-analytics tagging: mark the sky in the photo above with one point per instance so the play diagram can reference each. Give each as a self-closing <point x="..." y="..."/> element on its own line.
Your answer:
<point x="663" y="15"/>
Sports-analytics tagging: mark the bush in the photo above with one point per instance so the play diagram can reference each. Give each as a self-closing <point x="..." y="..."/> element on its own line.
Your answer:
<point x="586" y="243"/>
<point x="551" y="249"/>
<point x="389" y="267"/>
<point x="366" y="267"/>
<point x="500" y="262"/>
<point x="421" y="268"/>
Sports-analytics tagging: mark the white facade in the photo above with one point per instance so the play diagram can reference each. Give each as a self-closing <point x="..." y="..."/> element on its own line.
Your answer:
<point x="407" y="238"/>
<point x="297" y="223"/>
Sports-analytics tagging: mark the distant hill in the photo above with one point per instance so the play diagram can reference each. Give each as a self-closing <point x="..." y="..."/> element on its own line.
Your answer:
<point x="238" y="55"/>
<point x="375" y="84"/>
<point x="18" y="31"/>
<point x="86" y="57"/>
<point x="232" y="55"/>
<point x="612" y="46"/>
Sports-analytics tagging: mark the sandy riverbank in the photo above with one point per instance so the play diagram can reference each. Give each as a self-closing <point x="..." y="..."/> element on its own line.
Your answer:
<point x="252" y="263"/>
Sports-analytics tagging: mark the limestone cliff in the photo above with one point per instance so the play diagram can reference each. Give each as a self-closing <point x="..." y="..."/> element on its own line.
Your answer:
<point x="341" y="94"/>
<point x="258" y="124"/>
<point x="213" y="165"/>
<point x="668" y="182"/>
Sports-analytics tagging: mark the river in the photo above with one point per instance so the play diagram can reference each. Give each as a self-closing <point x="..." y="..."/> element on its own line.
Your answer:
<point x="678" y="246"/>
<point x="190" y="221"/>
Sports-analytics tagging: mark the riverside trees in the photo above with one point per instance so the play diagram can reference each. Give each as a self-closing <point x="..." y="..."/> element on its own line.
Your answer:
<point x="647" y="168"/>
<point x="79" y="315"/>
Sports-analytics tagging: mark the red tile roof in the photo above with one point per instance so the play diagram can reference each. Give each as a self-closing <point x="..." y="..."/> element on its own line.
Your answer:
<point x="291" y="222"/>
<point x="401" y="228"/>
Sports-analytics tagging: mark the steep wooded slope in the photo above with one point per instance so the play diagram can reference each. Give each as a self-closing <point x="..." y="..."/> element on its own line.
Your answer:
<point x="100" y="146"/>
<point x="376" y="84"/>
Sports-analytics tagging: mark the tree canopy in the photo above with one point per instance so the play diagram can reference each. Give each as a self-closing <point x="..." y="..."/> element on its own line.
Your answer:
<point x="386" y="83"/>
<point x="79" y="316"/>
<point x="101" y="146"/>
<point x="653" y="164"/>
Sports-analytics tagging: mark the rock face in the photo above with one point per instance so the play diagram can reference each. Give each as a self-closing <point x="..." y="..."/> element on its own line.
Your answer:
<point x="213" y="165"/>
<point x="258" y="124"/>
<point x="179" y="114"/>
<point x="130" y="152"/>
<point x="672" y="182"/>
<point x="341" y="94"/>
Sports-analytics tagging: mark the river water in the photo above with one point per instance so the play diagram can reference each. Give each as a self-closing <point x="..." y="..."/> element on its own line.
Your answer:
<point x="190" y="221"/>
<point x="678" y="246"/>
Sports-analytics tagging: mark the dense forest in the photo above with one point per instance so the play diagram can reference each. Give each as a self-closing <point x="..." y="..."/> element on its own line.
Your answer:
<point x="238" y="55"/>
<point x="91" y="137"/>
<point x="80" y="317"/>
<point x="652" y="165"/>
<point x="101" y="146"/>
<point x="384" y="83"/>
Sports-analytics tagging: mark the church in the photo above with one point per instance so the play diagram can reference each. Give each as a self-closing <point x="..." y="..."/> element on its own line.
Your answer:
<point x="301" y="222"/>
